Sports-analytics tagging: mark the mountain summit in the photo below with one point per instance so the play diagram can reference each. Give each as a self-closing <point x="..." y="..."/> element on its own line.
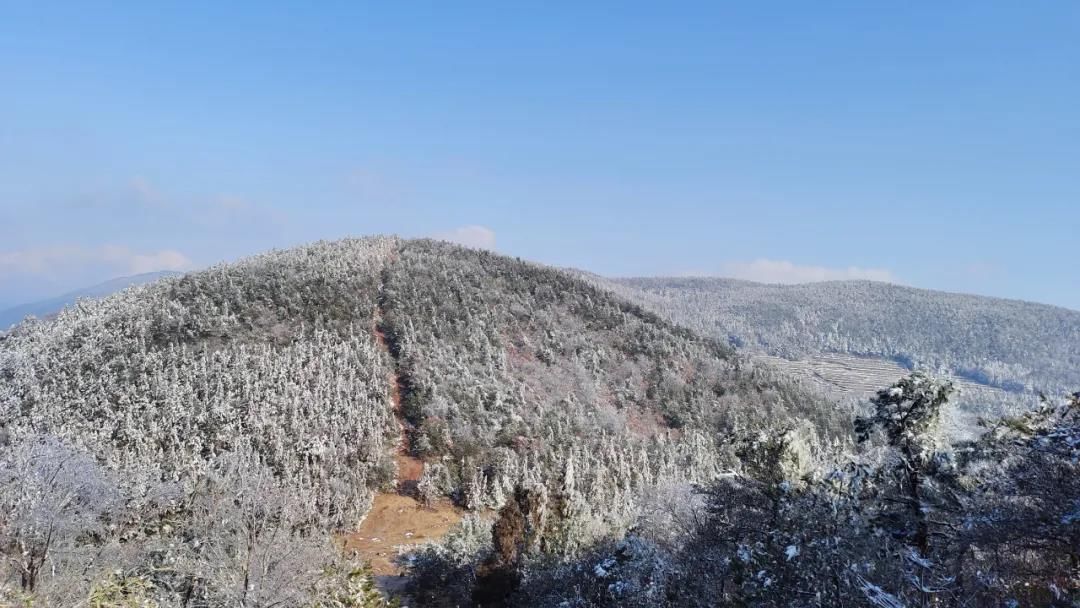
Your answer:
<point x="339" y="365"/>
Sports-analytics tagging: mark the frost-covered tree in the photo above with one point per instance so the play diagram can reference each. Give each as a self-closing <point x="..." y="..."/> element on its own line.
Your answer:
<point x="1013" y="345"/>
<point x="52" y="497"/>
<point x="907" y="414"/>
<point x="1021" y="533"/>
<point x="249" y="539"/>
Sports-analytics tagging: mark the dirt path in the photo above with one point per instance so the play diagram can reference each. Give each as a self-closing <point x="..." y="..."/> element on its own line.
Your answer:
<point x="410" y="468"/>
<point x="398" y="518"/>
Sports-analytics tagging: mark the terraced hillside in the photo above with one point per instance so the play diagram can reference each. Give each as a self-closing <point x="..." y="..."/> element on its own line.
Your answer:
<point x="861" y="376"/>
<point x="1012" y="345"/>
<point x="853" y="337"/>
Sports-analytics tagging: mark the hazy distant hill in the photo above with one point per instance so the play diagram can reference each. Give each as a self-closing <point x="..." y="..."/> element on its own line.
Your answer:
<point x="51" y="306"/>
<point x="827" y="328"/>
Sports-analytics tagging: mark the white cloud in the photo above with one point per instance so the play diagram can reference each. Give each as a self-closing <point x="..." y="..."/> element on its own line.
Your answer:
<point x="782" y="271"/>
<point x="145" y="193"/>
<point x="167" y="259"/>
<point x="477" y="237"/>
<point x="217" y="211"/>
<point x="58" y="260"/>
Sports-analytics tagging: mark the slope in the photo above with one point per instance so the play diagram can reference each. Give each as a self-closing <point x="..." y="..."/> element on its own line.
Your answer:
<point x="351" y="368"/>
<point x="849" y="337"/>
<point x="51" y="306"/>
<point x="1007" y="344"/>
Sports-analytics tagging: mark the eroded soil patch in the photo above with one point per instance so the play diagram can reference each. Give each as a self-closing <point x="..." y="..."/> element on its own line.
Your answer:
<point x="396" y="520"/>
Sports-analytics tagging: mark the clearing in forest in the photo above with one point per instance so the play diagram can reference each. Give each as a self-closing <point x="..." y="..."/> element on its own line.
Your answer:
<point x="398" y="518"/>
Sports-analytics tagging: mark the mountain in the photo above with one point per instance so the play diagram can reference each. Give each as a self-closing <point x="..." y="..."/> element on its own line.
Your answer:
<point x="330" y="373"/>
<point x="251" y="434"/>
<point x="856" y="336"/>
<point x="51" y="306"/>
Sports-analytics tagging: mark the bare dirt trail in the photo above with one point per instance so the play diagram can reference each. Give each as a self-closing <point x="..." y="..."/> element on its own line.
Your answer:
<point x="398" y="518"/>
<point x="410" y="468"/>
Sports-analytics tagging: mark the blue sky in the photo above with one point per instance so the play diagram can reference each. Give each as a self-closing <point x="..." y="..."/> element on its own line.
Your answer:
<point x="933" y="144"/>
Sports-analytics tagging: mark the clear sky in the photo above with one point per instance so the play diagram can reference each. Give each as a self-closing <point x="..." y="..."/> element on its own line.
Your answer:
<point x="935" y="144"/>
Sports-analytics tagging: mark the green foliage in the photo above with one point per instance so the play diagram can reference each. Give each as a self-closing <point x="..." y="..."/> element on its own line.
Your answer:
<point x="348" y="587"/>
<point x="123" y="591"/>
<point x="907" y="411"/>
<point x="10" y="597"/>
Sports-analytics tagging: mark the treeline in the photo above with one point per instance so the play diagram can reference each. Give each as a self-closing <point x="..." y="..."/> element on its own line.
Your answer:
<point x="1007" y="344"/>
<point x="178" y="437"/>
<point x="904" y="521"/>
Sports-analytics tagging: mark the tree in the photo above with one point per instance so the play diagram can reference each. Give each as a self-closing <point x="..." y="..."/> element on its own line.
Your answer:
<point x="51" y="496"/>
<point x="251" y="542"/>
<point x="1023" y="535"/>
<point x="907" y="413"/>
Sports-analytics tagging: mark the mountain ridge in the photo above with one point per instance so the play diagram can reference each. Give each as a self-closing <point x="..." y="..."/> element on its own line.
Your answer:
<point x="790" y="320"/>
<point x="42" y="308"/>
<point x="510" y="374"/>
<point x="834" y="282"/>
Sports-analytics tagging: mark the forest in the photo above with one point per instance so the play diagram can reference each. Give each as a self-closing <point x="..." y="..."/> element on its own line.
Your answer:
<point x="206" y="440"/>
<point x="1013" y="345"/>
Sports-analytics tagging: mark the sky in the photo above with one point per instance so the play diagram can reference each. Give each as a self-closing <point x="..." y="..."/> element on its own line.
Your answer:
<point x="933" y="144"/>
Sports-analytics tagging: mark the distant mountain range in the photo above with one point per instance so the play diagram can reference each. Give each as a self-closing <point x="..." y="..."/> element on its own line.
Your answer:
<point x="51" y="306"/>
<point x="856" y="336"/>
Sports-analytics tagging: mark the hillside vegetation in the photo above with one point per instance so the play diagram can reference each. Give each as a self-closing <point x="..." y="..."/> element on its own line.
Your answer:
<point x="212" y="440"/>
<point x="263" y="381"/>
<point x="51" y="306"/>
<point x="1007" y="344"/>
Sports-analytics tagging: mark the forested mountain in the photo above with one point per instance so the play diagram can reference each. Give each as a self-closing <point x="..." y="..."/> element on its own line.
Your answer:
<point x="850" y="337"/>
<point x="170" y="397"/>
<point x="50" y="306"/>
<point x="207" y="441"/>
<point x="1007" y="344"/>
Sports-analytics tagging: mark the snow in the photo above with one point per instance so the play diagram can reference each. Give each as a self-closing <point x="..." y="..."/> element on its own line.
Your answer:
<point x="601" y="569"/>
<point x="744" y="554"/>
<point x="879" y="597"/>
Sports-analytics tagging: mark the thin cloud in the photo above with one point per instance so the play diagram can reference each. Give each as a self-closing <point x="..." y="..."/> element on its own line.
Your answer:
<point x="376" y="186"/>
<point x="59" y="260"/>
<point x="476" y="237"/>
<point x="144" y="193"/>
<point x="212" y="211"/>
<point x="785" y="272"/>
<point x="167" y="259"/>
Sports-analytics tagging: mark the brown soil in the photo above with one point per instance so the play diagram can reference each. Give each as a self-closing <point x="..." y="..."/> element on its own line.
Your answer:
<point x="410" y="468"/>
<point x="398" y="520"/>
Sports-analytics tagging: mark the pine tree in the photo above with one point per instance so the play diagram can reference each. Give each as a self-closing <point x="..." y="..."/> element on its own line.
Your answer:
<point x="907" y="413"/>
